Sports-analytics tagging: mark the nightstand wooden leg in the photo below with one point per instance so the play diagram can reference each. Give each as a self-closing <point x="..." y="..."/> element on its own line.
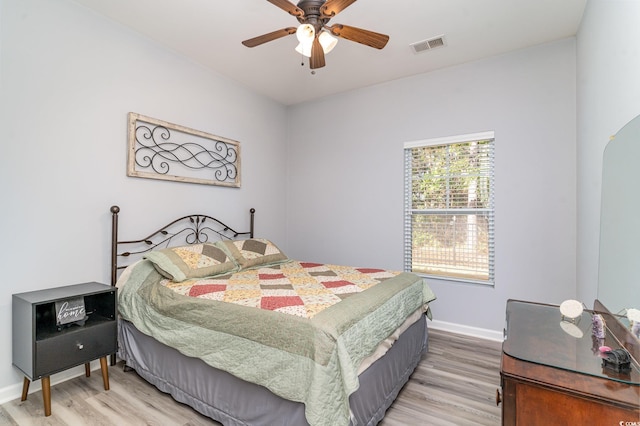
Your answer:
<point x="105" y="372"/>
<point x="25" y="389"/>
<point x="87" y="369"/>
<point x="46" y="395"/>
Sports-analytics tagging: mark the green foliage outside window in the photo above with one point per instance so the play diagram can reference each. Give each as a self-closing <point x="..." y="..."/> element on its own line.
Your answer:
<point x="451" y="209"/>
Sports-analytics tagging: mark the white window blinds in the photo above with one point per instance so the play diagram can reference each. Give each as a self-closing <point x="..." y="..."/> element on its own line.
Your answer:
<point x="449" y="207"/>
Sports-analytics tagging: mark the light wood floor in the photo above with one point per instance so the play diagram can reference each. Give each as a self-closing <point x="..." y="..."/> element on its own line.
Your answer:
<point x="454" y="384"/>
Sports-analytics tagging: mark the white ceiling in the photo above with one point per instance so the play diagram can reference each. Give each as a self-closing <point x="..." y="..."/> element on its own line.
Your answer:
<point x="210" y="33"/>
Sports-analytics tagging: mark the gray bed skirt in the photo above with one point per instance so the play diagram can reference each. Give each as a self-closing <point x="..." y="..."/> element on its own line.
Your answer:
<point x="233" y="402"/>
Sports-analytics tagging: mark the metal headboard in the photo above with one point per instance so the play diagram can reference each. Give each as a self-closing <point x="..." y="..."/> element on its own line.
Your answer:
<point x="191" y="229"/>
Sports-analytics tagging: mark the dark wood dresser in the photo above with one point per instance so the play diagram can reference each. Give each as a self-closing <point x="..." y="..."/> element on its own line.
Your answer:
<point x="552" y="373"/>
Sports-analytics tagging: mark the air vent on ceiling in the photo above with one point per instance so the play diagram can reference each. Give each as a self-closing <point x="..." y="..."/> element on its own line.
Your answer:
<point x="424" y="45"/>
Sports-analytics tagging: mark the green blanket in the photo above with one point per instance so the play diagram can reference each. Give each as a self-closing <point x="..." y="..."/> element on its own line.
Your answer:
<point x="313" y="361"/>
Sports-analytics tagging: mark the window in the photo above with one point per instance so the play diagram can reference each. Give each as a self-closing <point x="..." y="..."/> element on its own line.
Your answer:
<point x="449" y="211"/>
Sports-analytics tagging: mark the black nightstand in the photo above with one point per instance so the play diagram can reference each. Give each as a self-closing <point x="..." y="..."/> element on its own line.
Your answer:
<point x="42" y="347"/>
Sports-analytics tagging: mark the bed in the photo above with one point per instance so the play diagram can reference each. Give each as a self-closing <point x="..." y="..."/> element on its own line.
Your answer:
<point x="226" y="323"/>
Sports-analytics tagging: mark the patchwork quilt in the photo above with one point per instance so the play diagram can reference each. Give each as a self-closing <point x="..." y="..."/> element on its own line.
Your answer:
<point x="315" y="326"/>
<point x="296" y="288"/>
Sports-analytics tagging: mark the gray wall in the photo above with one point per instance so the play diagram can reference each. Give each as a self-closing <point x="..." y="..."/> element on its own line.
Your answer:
<point x="345" y="173"/>
<point x="68" y="79"/>
<point x="608" y="98"/>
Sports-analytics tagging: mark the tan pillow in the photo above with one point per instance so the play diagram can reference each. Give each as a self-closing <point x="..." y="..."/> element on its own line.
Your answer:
<point x="253" y="252"/>
<point x="191" y="261"/>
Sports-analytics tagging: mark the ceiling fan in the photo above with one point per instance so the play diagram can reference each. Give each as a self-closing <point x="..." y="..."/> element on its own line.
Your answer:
<point x="314" y="33"/>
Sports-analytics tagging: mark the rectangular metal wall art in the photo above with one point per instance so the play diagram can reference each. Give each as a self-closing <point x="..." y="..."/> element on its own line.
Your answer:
<point x="166" y="151"/>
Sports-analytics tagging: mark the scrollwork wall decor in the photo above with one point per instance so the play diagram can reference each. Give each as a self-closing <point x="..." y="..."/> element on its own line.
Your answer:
<point x="166" y="151"/>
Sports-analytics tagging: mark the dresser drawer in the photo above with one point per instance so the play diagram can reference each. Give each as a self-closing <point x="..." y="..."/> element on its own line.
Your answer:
<point x="69" y="349"/>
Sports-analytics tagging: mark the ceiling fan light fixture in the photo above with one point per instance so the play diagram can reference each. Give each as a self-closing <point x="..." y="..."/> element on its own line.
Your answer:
<point x="306" y="33"/>
<point x="327" y="41"/>
<point x="304" y="49"/>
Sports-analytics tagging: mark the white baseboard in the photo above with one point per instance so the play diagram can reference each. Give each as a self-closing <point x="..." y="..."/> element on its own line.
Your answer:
<point x="11" y="392"/>
<point x="482" y="333"/>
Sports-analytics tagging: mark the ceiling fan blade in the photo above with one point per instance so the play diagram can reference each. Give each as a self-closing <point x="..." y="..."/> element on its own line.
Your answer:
<point x="287" y="6"/>
<point x="317" y="55"/>
<point x="359" y="35"/>
<point x="332" y="7"/>
<point x="256" y="41"/>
